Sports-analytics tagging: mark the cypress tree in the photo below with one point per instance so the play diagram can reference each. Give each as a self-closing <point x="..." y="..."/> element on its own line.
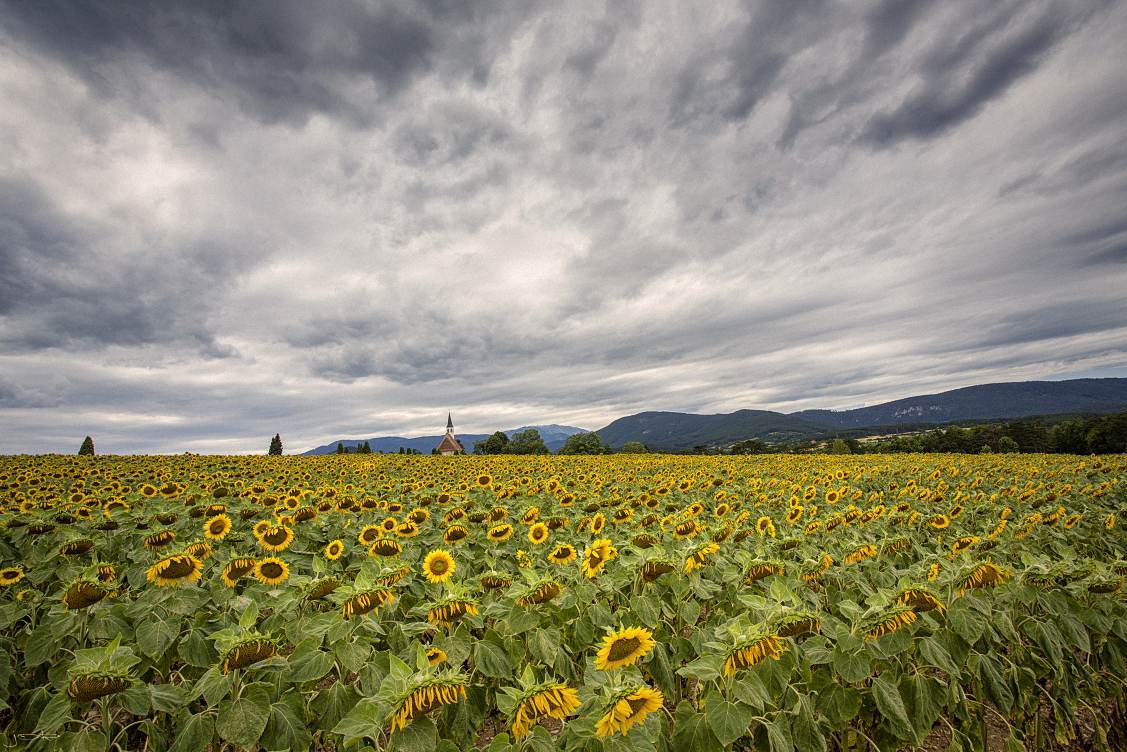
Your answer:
<point x="87" y="447"/>
<point x="276" y="445"/>
<point x="367" y="448"/>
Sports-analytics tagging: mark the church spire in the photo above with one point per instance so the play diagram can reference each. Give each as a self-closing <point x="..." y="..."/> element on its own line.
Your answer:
<point x="449" y="424"/>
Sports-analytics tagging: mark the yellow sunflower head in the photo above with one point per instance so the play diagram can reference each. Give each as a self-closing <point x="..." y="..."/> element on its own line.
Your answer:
<point x="271" y="571"/>
<point x="538" y="533"/>
<point x="438" y="566"/>
<point x="623" y="648"/>
<point x="217" y="527"/>
<point x="334" y="550"/>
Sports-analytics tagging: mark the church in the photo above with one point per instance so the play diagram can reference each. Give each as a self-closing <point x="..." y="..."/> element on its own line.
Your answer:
<point x="449" y="445"/>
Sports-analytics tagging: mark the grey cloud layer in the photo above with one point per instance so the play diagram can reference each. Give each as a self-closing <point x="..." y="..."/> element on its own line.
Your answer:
<point x="220" y="220"/>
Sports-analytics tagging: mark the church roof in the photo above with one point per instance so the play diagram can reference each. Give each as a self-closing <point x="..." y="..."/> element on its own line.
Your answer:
<point x="449" y="444"/>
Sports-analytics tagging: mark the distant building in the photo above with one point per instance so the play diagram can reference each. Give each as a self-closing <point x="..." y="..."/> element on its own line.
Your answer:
<point x="449" y="445"/>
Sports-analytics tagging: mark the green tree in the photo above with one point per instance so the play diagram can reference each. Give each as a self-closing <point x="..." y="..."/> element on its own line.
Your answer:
<point x="750" y="446"/>
<point x="275" y="445"/>
<point x="367" y="448"/>
<point x="634" y="447"/>
<point x="87" y="447"/>
<point x="340" y="448"/>
<point x="495" y="444"/>
<point x="1007" y="445"/>
<point x="840" y="447"/>
<point x="582" y="443"/>
<point x="527" y="442"/>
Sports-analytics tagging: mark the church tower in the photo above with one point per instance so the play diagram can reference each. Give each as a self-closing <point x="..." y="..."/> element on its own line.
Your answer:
<point x="449" y="445"/>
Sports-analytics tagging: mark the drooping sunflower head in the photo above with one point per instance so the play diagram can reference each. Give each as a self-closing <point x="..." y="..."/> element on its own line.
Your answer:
<point x="77" y="547"/>
<point x="200" y="549"/>
<point x="700" y="555"/>
<point x="795" y="623"/>
<point x="160" y="540"/>
<point x="438" y="566"/>
<point x="623" y="648"/>
<point x="751" y="649"/>
<point x="436" y="656"/>
<point x="420" y="699"/>
<point x="87" y="687"/>
<point x="385" y="548"/>
<point x="322" y="588"/>
<point x="761" y="568"/>
<point x="175" y="569"/>
<point x="446" y="612"/>
<point x="498" y="533"/>
<point x="495" y="581"/>
<point x="541" y="592"/>
<point x="889" y="621"/>
<point x="542" y="701"/>
<point x="83" y="594"/>
<point x="407" y="529"/>
<point x="247" y="652"/>
<point x="276" y="538"/>
<point x="919" y="598"/>
<point x="364" y="602"/>
<point x="627" y="708"/>
<point x="985" y="574"/>
<point x="369" y="534"/>
<point x="686" y="529"/>
<point x="237" y="568"/>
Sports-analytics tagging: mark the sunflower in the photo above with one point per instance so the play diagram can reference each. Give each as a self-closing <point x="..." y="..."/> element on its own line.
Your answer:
<point x="543" y="592"/>
<point x="484" y="480"/>
<point x="655" y="568"/>
<point x="563" y="554"/>
<point x="795" y="514"/>
<point x="322" y="588"/>
<point x="1071" y="521"/>
<point x="407" y="529"/>
<point x="445" y="613"/>
<point x="933" y="572"/>
<point x="248" y="652"/>
<point x="686" y="529"/>
<point x="984" y="575"/>
<point x="436" y="656"/>
<point x="438" y="566"/>
<point x="370" y="534"/>
<point x="271" y="571"/>
<point x="939" y="521"/>
<point x="861" y="553"/>
<point x="628" y="708"/>
<point x="160" y="540"/>
<point x="920" y="599"/>
<point x="644" y="540"/>
<point x="385" y="548"/>
<point x="454" y="535"/>
<point x="962" y="544"/>
<point x="812" y="527"/>
<point x="796" y="623"/>
<point x="698" y="557"/>
<point x="276" y="539"/>
<point x="76" y="547"/>
<point x="597" y="555"/>
<point x="89" y="687"/>
<point x="598" y="522"/>
<point x="237" y="568"/>
<point x="334" y="550"/>
<point x="888" y="622"/>
<point x="542" y="701"/>
<point x="623" y="648"/>
<point x="394" y="576"/>
<point x="1109" y="522"/>
<point x="172" y="570"/>
<point x="82" y="594"/>
<point x="494" y="581"/>
<point x="199" y="549"/>
<point x="538" y="533"/>
<point x="366" y="602"/>
<point x="433" y="694"/>
<point x="761" y="568"/>
<point x="106" y="573"/>
<point x="217" y="527"/>
<point x="260" y="528"/>
<point x="498" y="533"/>
<point x="751" y="650"/>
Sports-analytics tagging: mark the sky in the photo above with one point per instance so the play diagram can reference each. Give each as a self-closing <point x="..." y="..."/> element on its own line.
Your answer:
<point x="226" y="219"/>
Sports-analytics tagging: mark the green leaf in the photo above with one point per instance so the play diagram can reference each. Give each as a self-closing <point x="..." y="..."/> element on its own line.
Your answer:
<point x="692" y="733"/>
<point x="54" y="715"/>
<point x="362" y="721"/>
<point x="994" y="684"/>
<point x="353" y="655"/>
<point x="213" y="686"/>
<point x="647" y="608"/>
<point x="420" y="735"/>
<point x="690" y="611"/>
<point x="195" y="734"/>
<point x="87" y="740"/>
<point x="1046" y="637"/>
<point x="704" y="668"/>
<point x="807" y="735"/>
<point x="242" y="721"/>
<point x="249" y="617"/>
<point x="522" y="620"/>
<point x="167" y="698"/>
<point x="750" y="691"/>
<point x="728" y="720"/>
<point x="934" y="653"/>
<point x="492" y="660"/>
<point x="284" y="730"/>
<point x="778" y="734"/>
<point x="852" y="668"/>
<point x="968" y="623"/>
<point x="891" y="706"/>
<point x="136" y="699"/>
<point x="196" y="651"/>
<point x="40" y="646"/>
<point x="839" y="704"/>
<point x="154" y="636"/>
<point x="544" y="643"/>
<point x="310" y="666"/>
<point x="921" y="699"/>
<point x="332" y="704"/>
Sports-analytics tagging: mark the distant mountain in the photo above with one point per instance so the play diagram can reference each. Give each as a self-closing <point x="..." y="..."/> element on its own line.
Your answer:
<point x="671" y="431"/>
<point x="984" y="402"/>
<point x="553" y="435"/>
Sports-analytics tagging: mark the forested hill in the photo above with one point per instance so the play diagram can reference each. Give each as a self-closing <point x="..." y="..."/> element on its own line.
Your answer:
<point x="985" y="401"/>
<point x="659" y="430"/>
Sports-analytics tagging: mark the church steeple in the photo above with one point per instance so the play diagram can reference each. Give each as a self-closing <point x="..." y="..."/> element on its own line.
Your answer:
<point x="449" y="424"/>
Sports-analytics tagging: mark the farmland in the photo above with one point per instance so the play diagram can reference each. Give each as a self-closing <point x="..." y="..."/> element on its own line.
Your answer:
<point x="650" y="603"/>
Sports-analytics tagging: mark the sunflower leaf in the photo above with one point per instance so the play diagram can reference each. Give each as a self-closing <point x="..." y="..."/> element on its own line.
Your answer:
<point x="692" y="733"/>
<point x="891" y="707"/>
<point x="492" y="660"/>
<point x="728" y="720"/>
<point x="242" y="721"/>
<point x="249" y="617"/>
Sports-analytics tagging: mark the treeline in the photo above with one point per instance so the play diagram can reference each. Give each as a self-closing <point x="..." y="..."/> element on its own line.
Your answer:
<point x="1097" y="435"/>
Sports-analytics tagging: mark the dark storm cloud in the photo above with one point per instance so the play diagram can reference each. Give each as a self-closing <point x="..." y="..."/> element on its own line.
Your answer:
<point x="56" y="290"/>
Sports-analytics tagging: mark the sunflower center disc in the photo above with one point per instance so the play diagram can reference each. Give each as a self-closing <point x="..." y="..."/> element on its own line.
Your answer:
<point x="623" y="648"/>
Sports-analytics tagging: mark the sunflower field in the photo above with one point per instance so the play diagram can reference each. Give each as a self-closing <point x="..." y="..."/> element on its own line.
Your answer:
<point x="629" y="602"/>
